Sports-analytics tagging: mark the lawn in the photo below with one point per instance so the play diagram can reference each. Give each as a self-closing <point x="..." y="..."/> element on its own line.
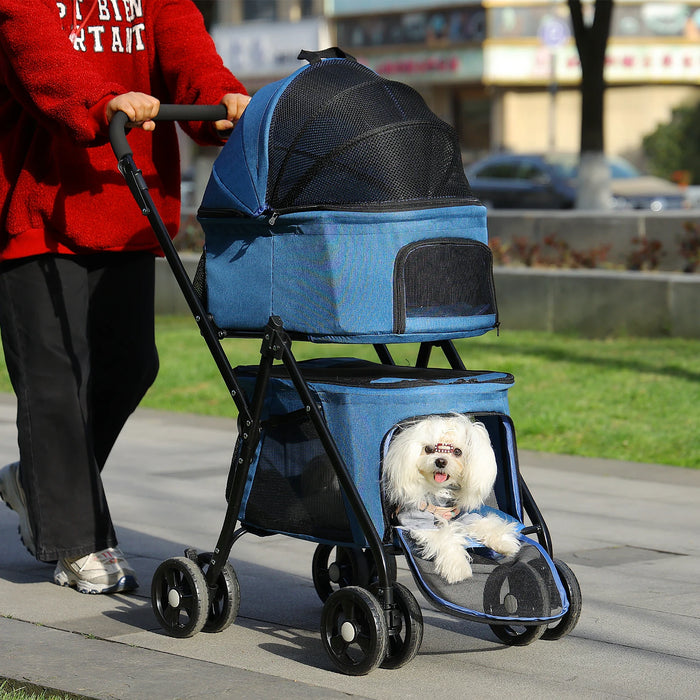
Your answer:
<point x="634" y="399"/>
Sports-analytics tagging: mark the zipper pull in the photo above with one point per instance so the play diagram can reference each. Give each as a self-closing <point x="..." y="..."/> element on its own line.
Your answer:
<point x="273" y="218"/>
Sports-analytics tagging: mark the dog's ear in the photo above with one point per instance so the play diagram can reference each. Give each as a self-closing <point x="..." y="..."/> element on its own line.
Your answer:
<point x="400" y="476"/>
<point x="481" y="469"/>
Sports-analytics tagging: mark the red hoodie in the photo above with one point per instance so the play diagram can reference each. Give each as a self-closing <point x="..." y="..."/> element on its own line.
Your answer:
<point x="60" y="190"/>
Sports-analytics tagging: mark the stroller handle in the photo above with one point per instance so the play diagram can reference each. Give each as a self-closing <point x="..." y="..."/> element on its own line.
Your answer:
<point x="204" y="113"/>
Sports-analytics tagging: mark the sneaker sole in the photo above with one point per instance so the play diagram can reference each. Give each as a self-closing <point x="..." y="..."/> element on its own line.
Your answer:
<point x="11" y="493"/>
<point x="124" y="584"/>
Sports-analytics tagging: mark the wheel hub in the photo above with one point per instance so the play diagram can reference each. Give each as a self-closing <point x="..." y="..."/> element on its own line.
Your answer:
<point x="348" y="632"/>
<point x="334" y="572"/>
<point x="510" y="603"/>
<point x="173" y="598"/>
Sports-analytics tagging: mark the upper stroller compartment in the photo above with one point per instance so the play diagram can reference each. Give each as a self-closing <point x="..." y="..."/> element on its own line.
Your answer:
<point x="340" y="204"/>
<point x="337" y="135"/>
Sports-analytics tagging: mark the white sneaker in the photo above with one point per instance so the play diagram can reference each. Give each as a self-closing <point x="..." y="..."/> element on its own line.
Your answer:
<point x="106" y="571"/>
<point x="12" y="493"/>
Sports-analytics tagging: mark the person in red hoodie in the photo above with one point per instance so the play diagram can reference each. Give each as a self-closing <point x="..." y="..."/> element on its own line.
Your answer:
<point x="77" y="257"/>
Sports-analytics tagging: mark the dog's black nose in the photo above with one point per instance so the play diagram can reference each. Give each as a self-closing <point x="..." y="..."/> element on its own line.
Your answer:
<point x="440" y="462"/>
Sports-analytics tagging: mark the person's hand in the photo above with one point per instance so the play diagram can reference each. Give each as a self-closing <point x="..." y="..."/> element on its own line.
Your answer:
<point x="235" y="106"/>
<point x="139" y="107"/>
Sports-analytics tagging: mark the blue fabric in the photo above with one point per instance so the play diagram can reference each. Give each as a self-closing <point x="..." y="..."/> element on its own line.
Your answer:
<point x="239" y="177"/>
<point x="360" y="417"/>
<point x="330" y="275"/>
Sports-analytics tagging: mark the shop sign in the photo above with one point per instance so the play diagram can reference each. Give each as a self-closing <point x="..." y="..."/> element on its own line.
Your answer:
<point x="624" y="63"/>
<point x="429" y="66"/>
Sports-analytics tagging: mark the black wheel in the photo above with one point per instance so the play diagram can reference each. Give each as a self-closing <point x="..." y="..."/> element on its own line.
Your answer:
<point x="518" y="635"/>
<point x="515" y="591"/>
<point x="573" y="593"/>
<point x="354" y="631"/>
<point x="225" y="603"/>
<point x="405" y="640"/>
<point x="333" y="568"/>
<point x="180" y="597"/>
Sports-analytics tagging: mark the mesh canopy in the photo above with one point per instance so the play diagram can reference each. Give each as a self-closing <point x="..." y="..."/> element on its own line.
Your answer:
<point x="341" y="135"/>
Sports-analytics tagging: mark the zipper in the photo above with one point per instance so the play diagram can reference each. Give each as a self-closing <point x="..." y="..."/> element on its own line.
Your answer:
<point x="274" y="214"/>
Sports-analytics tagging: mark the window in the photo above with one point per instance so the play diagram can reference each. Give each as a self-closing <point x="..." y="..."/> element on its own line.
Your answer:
<point x="260" y="9"/>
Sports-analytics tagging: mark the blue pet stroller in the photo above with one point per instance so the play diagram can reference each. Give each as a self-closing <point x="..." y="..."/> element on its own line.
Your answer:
<point x="338" y="212"/>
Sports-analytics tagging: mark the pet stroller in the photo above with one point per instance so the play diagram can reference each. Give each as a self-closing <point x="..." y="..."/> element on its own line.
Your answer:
<point x="338" y="212"/>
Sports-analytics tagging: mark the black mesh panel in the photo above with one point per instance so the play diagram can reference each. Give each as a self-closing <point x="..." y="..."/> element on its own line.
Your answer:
<point x="295" y="489"/>
<point x="443" y="277"/>
<point x="342" y="136"/>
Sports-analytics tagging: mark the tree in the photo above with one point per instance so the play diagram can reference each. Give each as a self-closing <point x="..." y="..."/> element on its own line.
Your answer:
<point x="591" y="42"/>
<point x="674" y="147"/>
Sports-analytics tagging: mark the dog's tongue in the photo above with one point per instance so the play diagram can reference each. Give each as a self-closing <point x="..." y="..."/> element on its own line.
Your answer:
<point x="440" y="477"/>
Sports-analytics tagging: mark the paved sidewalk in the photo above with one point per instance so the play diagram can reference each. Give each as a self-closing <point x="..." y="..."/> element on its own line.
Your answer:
<point x="631" y="533"/>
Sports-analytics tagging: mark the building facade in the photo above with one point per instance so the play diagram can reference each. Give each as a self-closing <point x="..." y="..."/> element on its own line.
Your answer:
<point x="505" y="73"/>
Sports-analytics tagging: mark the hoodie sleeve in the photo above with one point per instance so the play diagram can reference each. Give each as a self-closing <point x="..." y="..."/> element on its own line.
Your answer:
<point x="193" y="70"/>
<point x="43" y="72"/>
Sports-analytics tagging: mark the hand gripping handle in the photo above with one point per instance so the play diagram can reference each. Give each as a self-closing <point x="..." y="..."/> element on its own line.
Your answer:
<point x="185" y="113"/>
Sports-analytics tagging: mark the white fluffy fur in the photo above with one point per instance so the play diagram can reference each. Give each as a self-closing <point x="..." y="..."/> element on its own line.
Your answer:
<point x="409" y="480"/>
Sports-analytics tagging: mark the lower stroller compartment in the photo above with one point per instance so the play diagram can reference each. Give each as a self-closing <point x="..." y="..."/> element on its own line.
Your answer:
<point x="292" y="488"/>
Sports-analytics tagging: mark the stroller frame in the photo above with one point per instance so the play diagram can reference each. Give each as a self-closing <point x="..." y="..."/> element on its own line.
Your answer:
<point x="208" y="579"/>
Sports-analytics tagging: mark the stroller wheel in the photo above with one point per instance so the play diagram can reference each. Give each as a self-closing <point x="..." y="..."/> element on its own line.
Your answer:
<point x="348" y="568"/>
<point x="516" y="590"/>
<point x="354" y="631"/>
<point x="180" y="597"/>
<point x="518" y="635"/>
<point x="405" y="640"/>
<point x="573" y="593"/>
<point x="224" y="605"/>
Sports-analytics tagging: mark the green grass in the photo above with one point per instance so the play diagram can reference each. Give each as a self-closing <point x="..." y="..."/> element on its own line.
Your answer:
<point x="14" y="690"/>
<point x="634" y="399"/>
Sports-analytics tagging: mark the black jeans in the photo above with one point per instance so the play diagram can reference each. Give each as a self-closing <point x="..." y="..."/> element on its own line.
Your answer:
<point x="78" y="336"/>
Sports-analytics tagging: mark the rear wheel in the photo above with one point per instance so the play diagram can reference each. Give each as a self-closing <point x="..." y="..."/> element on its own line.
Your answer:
<point x="333" y="568"/>
<point x="573" y="592"/>
<point x="516" y="591"/>
<point x="518" y="635"/>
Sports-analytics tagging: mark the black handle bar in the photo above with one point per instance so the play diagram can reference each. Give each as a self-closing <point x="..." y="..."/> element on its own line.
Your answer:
<point x="185" y="113"/>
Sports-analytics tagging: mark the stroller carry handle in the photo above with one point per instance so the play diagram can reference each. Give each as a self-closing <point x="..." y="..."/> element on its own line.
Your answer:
<point x="317" y="56"/>
<point x="117" y="127"/>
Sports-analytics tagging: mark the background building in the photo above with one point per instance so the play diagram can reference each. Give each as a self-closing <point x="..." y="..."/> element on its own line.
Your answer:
<point x="505" y="73"/>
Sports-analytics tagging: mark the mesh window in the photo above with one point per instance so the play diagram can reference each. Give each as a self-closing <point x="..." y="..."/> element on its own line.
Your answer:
<point x="342" y="136"/>
<point x="295" y="489"/>
<point x="443" y="277"/>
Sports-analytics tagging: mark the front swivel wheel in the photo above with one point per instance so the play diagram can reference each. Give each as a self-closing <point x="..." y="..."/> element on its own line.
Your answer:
<point x="180" y="597"/>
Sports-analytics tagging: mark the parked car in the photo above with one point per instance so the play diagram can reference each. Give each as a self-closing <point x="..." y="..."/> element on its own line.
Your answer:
<point x="537" y="181"/>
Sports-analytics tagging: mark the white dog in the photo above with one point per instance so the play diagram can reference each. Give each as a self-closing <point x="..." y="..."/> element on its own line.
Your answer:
<point x="437" y="473"/>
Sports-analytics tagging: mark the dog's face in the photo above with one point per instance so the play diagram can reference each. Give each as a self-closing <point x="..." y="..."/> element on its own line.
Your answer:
<point x="442" y="464"/>
<point x="448" y="456"/>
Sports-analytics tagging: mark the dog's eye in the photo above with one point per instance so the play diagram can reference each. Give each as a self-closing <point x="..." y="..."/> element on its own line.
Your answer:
<point x="429" y="449"/>
<point x="457" y="452"/>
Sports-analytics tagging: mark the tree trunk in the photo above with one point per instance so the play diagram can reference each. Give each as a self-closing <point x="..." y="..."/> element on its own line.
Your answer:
<point x="593" y="190"/>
